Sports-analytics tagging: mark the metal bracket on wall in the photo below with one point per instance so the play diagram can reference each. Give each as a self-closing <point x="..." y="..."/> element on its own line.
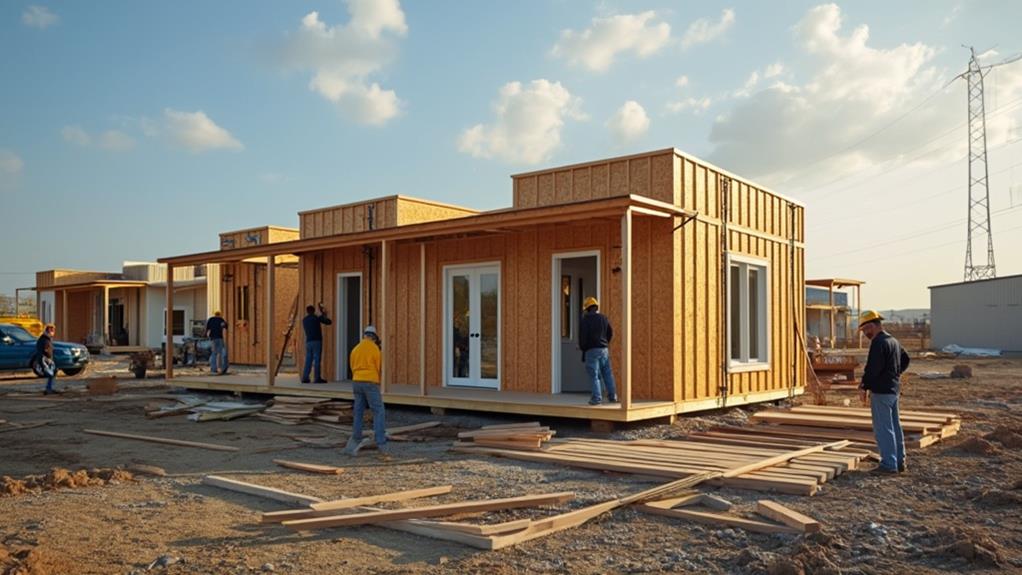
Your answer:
<point x="687" y="219"/>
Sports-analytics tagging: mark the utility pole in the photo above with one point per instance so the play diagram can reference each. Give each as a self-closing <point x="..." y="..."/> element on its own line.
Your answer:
<point x="979" y="183"/>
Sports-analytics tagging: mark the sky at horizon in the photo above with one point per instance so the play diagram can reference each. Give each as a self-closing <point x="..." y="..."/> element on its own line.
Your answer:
<point x="132" y="131"/>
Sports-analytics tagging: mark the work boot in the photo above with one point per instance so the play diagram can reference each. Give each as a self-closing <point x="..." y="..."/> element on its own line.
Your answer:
<point x="384" y="453"/>
<point x="594" y="402"/>
<point x="902" y="468"/>
<point x="352" y="449"/>
<point x="881" y="470"/>
<point x="612" y="399"/>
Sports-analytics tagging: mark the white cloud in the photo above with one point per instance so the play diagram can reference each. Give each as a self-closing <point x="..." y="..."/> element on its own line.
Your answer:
<point x="196" y="132"/>
<point x="703" y="30"/>
<point x="696" y="105"/>
<point x="344" y="58"/>
<point x="10" y="163"/>
<point x="597" y="46"/>
<point x="750" y="84"/>
<point x="76" y="135"/>
<point x="820" y="130"/>
<point x="38" y="17"/>
<point x="681" y="82"/>
<point x="951" y="16"/>
<point x="114" y="140"/>
<point x="528" y="123"/>
<point x="629" y="123"/>
<point x="775" y="69"/>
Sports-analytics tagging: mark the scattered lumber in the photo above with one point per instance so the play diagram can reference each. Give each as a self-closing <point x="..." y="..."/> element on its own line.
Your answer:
<point x="309" y="467"/>
<point x="259" y="490"/>
<point x="13" y="426"/>
<point x="164" y="440"/>
<point x="328" y="508"/>
<point x="717" y="519"/>
<point x="527" y="436"/>
<point x="790" y="517"/>
<point x="430" y="511"/>
<point x="796" y="469"/>
<point x="292" y="410"/>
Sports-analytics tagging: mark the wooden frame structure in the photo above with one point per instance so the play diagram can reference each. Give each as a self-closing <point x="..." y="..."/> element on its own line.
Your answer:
<point x="664" y="224"/>
<point x="838" y="283"/>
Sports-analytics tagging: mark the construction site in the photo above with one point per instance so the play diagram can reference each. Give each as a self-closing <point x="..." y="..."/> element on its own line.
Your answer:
<point x="622" y="358"/>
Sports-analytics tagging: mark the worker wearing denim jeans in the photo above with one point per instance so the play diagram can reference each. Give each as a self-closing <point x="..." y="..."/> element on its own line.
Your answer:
<point x="216" y="329"/>
<point x="313" y="324"/>
<point x="594" y="335"/>
<point x="44" y="350"/>
<point x="881" y="382"/>
<point x="366" y="363"/>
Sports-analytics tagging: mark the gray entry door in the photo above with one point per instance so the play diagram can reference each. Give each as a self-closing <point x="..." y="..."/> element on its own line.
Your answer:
<point x="577" y="281"/>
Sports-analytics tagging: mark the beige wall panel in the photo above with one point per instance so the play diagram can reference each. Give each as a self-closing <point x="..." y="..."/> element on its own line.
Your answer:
<point x="580" y="180"/>
<point x="639" y="177"/>
<point x="562" y="187"/>
<point x="600" y="181"/>
<point x="619" y="178"/>
<point x="662" y="178"/>
<point x="545" y="190"/>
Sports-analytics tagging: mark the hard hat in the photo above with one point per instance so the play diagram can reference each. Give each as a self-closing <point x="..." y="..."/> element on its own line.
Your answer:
<point x="590" y="301"/>
<point x="370" y="329"/>
<point x="868" y="316"/>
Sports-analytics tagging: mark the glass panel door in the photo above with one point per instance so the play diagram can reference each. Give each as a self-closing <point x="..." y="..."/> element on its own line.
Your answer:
<point x="472" y="322"/>
<point x="488" y="334"/>
<point x="460" y="322"/>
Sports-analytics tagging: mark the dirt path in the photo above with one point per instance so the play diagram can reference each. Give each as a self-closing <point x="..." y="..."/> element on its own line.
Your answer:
<point x="955" y="511"/>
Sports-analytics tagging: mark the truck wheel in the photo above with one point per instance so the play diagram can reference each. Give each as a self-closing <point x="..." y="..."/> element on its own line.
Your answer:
<point x="71" y="372"/>
<point x="139" y="372"/>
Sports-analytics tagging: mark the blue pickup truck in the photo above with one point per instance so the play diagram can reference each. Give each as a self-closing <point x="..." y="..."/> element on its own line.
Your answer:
<point x="17" y="352"/>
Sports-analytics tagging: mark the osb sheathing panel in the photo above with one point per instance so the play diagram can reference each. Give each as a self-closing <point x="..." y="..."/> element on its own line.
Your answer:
<point x="348" y="218"/>
<point x="246" y="339"/>
<point x="650" y="176"/>
<point x="80" y="311"/>
<point x="65" y="277"/>
<point x="317" y="280"/>
<point x="410" y="211"/>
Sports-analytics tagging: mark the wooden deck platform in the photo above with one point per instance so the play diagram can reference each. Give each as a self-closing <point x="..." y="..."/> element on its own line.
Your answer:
<point x="571" y="405"/>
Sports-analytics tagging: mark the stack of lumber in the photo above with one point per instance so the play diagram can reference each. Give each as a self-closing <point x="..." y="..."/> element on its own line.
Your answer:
<point x="527" y="436"/>
<point x="793" y="467"/>
<point x="922" y="428"/>
<point x="290" y="410"/>
<point x="203" y="408"/>
<point x="784" y="519"/>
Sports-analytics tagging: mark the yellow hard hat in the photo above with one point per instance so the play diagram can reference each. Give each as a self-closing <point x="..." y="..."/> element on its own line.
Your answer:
<point x="590" y="301"/>
<point x="868" y="316"/>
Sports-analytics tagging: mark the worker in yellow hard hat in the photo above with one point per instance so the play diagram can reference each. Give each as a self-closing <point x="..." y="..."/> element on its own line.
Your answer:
<point x="594" y="335"/>
<point x="881" y="383"/>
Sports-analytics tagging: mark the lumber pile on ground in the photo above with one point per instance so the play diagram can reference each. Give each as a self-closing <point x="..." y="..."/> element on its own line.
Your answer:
<point x="794" y="467"/>
<point x="783" y="519"/>
<point x="528" y="436"/>
<point x="291" y="410"/>
<point x="203" y="409"/>
<point x="922" y="428"/>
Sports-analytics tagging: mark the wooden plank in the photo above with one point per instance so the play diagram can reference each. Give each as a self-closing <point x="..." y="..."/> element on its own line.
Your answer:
<point x="718" y="520"/>
<point x="492" y="529"/>
<point x="161" y="440"/>
<point x="259" y="490"/>
<point x="431" y="511"/>
<point x="783" y="457"/>
<point x="328" y="508"/>
<point x="790" y="517"/>
<point x="832" y="421"/>
<point x="310" y="467"/>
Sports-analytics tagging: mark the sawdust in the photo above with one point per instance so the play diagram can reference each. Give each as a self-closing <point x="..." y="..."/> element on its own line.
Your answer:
<point x="60" y="478"/>
<point x="978" y="446"/>
<point x="1006" y="436"/>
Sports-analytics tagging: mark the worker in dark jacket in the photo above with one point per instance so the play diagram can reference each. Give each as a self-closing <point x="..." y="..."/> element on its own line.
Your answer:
<point x="44" y="355"/>
<point x="594" y="335"/>
<point x="313" y="324"/>
<point x="881" y="383"/>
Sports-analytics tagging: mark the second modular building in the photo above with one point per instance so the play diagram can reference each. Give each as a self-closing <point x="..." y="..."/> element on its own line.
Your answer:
<point x="699" y="271"/>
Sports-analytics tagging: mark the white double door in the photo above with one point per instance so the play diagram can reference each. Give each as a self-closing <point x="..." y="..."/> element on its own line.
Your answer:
<point x="472" y="325"/>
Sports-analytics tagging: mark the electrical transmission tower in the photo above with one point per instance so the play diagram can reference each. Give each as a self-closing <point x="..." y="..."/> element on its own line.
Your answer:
<point x="979" y="184"/>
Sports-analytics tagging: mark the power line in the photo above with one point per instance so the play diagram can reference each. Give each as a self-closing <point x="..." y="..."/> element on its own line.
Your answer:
<point x="917" y="250"/>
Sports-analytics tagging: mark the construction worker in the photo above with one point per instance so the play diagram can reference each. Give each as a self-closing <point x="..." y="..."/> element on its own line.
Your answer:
<point x="216" y="330"/>
<point x="44" y="353"/>
<point x="366" y="362"/>
<point x="313" y="324"/>
<point x="594" y="335"/>
<point x="881" y="382"/>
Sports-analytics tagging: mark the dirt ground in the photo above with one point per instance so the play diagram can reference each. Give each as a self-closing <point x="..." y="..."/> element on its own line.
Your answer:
<point x="958" y="509"/>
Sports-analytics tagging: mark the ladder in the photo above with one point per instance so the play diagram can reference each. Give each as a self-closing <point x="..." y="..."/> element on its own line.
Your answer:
<point x="292" y="317"/>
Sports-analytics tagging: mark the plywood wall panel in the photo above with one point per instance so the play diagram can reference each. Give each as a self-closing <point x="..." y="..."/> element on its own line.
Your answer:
<point x="580" y="184"/>
<point x="600" y="181"/>
<point x="545" y="190"/>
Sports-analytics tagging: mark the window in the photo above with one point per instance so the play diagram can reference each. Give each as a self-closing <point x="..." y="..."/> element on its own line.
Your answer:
<point x="179" y="322"/>
<point x="748" y="332"/>
<point x="241" y="303"/>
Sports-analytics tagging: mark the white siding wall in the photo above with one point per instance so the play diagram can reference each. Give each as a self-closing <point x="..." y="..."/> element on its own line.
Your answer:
<point x="978" y="314"/>
<point x="192" y="301"/>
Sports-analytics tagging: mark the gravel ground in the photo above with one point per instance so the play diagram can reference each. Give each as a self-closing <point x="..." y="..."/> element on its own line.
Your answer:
<point x="959" y="509"/>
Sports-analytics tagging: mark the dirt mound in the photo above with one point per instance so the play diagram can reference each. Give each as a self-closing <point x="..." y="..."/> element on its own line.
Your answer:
<point x="1006" y="436"/>
<point x="31" y="561"/>
<point x="961" y="372"/>
<point x="998" y="498"/>
<point x="978" y="446"/>
<point x="804" y="559"/>
<point x="60" y="478"/>
<point x="971" y="545"/>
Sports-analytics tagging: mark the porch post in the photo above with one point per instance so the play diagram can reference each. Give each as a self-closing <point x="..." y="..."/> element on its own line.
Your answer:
<point x="63" y="316"/>
<point x="833" y="336"/>
<point x="858" y="311"/>
<point x="168" y="351"/>
<point x="105" y="328"/>
<point x="625" y="391"/>
<point x="271" y="365"/>
<point x="382" y="315"/>
<point x="422" y="319"/>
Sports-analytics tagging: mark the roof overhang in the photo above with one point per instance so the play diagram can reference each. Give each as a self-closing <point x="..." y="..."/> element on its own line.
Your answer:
<point x="834" y="282"/>
<point x="91" y="285"/>
<point x="479" y="223"/>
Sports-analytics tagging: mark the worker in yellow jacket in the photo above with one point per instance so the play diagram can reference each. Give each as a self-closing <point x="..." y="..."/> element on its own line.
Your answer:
<point x="365" y="362"/>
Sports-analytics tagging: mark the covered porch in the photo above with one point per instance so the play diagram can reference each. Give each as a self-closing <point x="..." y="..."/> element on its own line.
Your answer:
<point x="411" y="387"/>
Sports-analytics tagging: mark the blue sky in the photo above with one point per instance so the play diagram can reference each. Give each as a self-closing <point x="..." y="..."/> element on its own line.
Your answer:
<point x="131" y="131"/>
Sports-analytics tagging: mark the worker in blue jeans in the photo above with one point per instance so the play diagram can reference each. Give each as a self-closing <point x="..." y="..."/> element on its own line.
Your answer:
<point x="313" y="324"/>
<point x="594" y="335"/>
<point x="366" y="364"/>
<point x="881" y="384"/>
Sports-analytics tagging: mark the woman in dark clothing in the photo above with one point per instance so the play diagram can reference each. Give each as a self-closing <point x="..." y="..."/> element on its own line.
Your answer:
<point x="44" y="353"/>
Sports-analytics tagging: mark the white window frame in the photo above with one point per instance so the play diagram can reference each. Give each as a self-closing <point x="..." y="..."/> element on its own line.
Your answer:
<point x="746" y="363"/>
